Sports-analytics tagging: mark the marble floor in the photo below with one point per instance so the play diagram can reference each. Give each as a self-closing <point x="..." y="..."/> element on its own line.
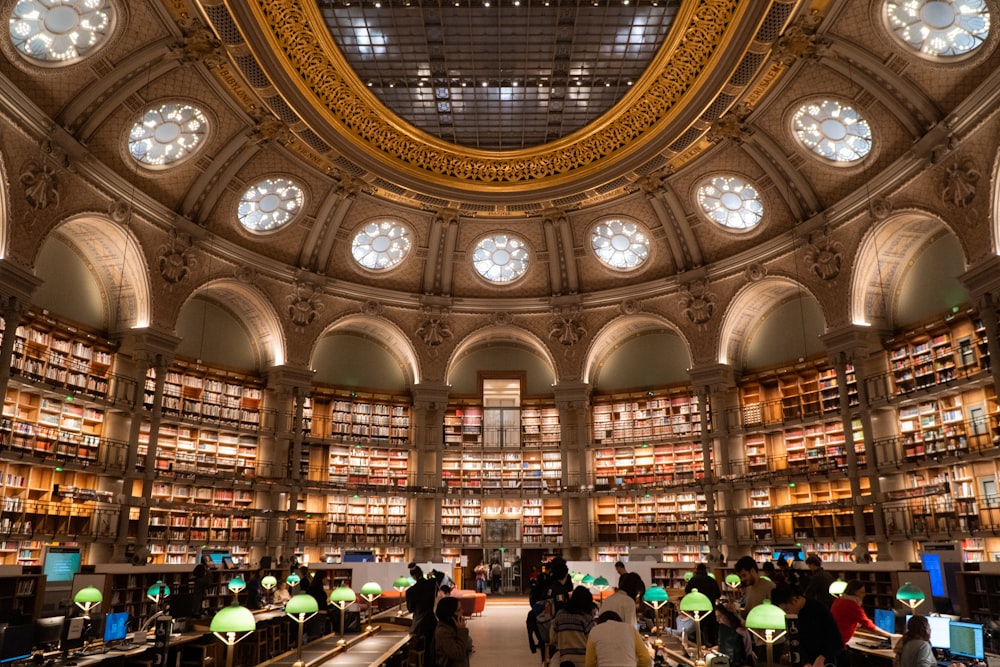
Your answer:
<point x="499" y="636"/>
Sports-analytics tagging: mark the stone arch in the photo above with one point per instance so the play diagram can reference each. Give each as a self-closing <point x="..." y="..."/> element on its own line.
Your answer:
<point x="117" y="261"/>
<point x="883" y="256"/>
<point x="254" y="310"/>
<point x="387" y="334"/>
<point x="501" y="334"/>
<point x="748" y="305"/>
<point x="616" y="331"/>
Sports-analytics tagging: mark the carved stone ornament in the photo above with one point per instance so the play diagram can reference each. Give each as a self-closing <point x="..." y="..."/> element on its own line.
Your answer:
<point x="697" y="302"/>
<point x="304" y="305"/>
<point x="567" y="327"/>
<point x="824" y="258"/>
<point x="880" y="208"/>
<point x="176" y="258"/>
<point x="799" y="40"/>
<point x="246" y="275"/>
<point x="270" y="128"/>
<point x="630" y="307"/>
<point x="199" y="44"/>
<point x="755" y="271"/>
<point x="958" y="188"/>
<point x="41" y="185"/>
<point x="435" y="329"/>
<point x="373" y="308"/>
<point x="730" y="126"/>
<point x="501" y="319"/>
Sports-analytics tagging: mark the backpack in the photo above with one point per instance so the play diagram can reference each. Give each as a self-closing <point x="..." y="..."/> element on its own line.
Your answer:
<point x="545" y="613"/>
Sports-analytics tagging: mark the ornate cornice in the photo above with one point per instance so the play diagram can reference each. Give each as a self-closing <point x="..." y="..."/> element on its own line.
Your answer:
<point x="298" y="37"/>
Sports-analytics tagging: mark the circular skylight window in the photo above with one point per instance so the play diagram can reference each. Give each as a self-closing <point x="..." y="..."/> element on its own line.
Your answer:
<point x="833" y="131"/>
<point x="270" y="204"/>
<point x="167" y="134"/>
<point x="381" y="245"/>
<point x="620" y="244"/>
<point x="939" y="28"/>
<point x="731" y="202"/>
<point x="60" y="31"/>
<point x="500" y="258"/>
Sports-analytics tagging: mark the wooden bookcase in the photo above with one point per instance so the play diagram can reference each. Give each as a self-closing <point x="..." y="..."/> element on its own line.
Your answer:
<point x="540" y="427"/>
<point x="21" y="597"/>
<point x="200" y="394"/>
<point x="191" y="450"/>
<point x="352" y="519"/>
<point x="646" y="417"/>
<point x="648" y="465"/>
<point x="461" y="521"/>
<point x="938" y="352"/>
<point x="463" y="425"/>
<point x="806" y="392"/>
<point x="654" y="517"/>
<point x="346" y="415"/>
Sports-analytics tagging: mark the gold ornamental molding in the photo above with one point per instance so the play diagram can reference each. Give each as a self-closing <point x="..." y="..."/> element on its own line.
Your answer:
<point x="299" y="38"/>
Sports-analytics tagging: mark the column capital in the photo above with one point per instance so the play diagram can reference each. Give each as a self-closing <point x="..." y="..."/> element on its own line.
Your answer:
<point x="572" y="392"/>
<point x="17" y="283"/>
<point x="289" y="377"/>
<point x="715" y="376"/>
<point x="151" y="342"/>
<point x="983" y="278"/>
<point x="853" y="340"/>
<point x="432" y="395"/>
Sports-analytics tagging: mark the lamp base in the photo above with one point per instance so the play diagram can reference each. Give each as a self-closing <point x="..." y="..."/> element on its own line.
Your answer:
<point x="298" y="663"/>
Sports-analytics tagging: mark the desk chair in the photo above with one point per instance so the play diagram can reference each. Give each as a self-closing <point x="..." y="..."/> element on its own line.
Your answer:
<point x="415" y="656"/>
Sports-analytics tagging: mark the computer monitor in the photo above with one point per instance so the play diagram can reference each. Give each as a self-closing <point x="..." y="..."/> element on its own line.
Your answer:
<point x="116" y="627"/>
<point x="885" y="619"/>
<point x="17" y="642"/>
<point x="940" y="631"/>
<point x="967" y="640"/>
<point x="61" y="564"/>
<point x="72" y="633"/>
<point x="48" y="631"/>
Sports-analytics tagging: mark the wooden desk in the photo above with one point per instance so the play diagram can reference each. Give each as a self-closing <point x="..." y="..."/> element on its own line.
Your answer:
<point x="873" y="657"/>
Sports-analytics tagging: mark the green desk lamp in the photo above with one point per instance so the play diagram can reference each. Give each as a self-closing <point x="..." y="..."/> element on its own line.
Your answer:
<point x="911" y="596"/>
<point x="158" y="592"/>
<point x="88" y="598"/>
<point x="341" y="597"/>
<point x="767" y="623"/>
<point x="838" y="587"/>
<point x="656" y="597"/>
<point x="293" y="580"/>
<point x="268" y="583"/>
<point x="400" y="586"/>
<point x="587" y="580"/>
<point x="371" y="591"/>
<point x="236" y="585"/>
<point x="232" y="624"/>
<point x="696" y="606"/>
<point x="300" y="608"/>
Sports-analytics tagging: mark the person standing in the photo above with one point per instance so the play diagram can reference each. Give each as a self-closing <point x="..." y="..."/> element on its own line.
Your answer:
<point x="452" y="643"/>
<point x="613" y="643"/>
<point x="708" y="587"/>
<point x="624" y="601"/>
<point x="420" y="599"/>
<point x="496" y="574"/>
<point x="818" y="636"/>
<point x="850" y="615"/>
<point x="570" y="628"/>
<point x="915" y="648"/>
<point x="755" y="589"/>
<point x="818" y="586"/>
<point x="481" y="573"/>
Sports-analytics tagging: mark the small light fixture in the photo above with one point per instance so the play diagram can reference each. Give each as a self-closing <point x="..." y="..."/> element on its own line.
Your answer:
<point x="268" y="583"/>
<point x="766" y="621"/>
<point x="232" y="624"/>
<point x="696" y="606"/>
<point x="158" y="592"/>
<point x="656" y="597"/>
<point x="400" y="586"/>
<point x="838" y="587"/>
<point x="910" y="595"/>
<point x="293" y="580"/>
<point x="371" y="591"/>
<point x="341" y="597"/>
<point x="88" y="598"/>
<point x="300" y="608"/>
<point x="236" y="586"/>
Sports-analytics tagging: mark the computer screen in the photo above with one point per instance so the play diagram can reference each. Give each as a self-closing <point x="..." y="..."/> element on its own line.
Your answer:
<point x="216" y="556"/>
<point x="885" y="619"/>
<point x="47" y="631"/>
<point x="17" y="642"/>
<point x="932" y="563"/>
<point x="61" y="563"/>
<point x="940" y="630"/>
<point x="72" y="633"/>
<point x="967" y="640"/>
<point x="116" y="626"/>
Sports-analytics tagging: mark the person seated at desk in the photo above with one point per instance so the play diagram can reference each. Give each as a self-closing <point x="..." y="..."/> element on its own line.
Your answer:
<point x="735" y="641"/>
<point x="281" y="594"/>
<point x="850" y="615"/>
<point x="915" y="648"/>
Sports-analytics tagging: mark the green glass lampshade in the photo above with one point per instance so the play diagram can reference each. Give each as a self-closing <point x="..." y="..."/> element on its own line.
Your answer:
<point x="293" y="579"/>
<point x="269" y="582"/>
<point x="695" y="601"/>
<point x="766" y="616"/>
<point x="342" y="596"/>
<point x="411" y="580"/>
<point x="233" y="618"/>
<point x="838" y="587"/>
<point x="236" y="584"/>
<point x="601" y="583"/>
<point x="588" y="580"/>
<point x="303" y="603"/>
<point x="371" y="590"/>
<point x="655" y="594"/>
<point x="688" y="576"/>
<point x="576" y="577"/>
<point x="910" y="595"/>
<point x="712" y="575"/>
<point x="401" y="583"/>
<point x="732" y="580"/>
<point x="88" y="597"/>
<point x="765" y="577"/>
<point x="158" y="591"/>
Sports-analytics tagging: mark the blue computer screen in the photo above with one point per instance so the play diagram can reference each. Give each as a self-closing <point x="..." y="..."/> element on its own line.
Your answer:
<point x="115" y="626"/>
<point x="932" y="563"/>
<point x="967" y="640"/>
<point x="886" y="620"/>
<point x="940" y="630"/>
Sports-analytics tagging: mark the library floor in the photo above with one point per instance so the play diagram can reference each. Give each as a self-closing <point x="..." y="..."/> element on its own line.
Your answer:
<point x="499" y="636"/>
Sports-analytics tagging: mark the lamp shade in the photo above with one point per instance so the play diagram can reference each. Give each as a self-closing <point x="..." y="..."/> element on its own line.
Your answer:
<point x="401" y="583"/>
<point x="236" y="584"/>
<point x="158" y="590"/>
<point x="293" y="579"/>
<point x="695" y="601"/>
<point x="233" y="618"/>
<point x="89" y="595"/>
<point x="269" y="582"/>
<point x="910" y="595"/>
<point x="601" y="582"/>
<point x="655" y="594"/>
<point x="712" y="575"/>
<point x="688" y="576"/>
<point x="303" y="603"/>
<point x="588" y="580"/>
<point x="732" y="580"/>
<point x="766" y="616"/>
<point x="371" y="589"/>
<point x="838" y="587"/>
<point x="342" y="595"/>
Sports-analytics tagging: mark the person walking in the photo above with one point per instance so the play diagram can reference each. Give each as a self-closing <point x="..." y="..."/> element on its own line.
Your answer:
<point x="613" y="643"/>
<point x="496" y="574"/>
<point x="570" y="628"/>
<point x="420" y="599"/>
<point x="452" y="643"/>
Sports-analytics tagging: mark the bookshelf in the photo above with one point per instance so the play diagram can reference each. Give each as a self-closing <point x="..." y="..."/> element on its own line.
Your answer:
<point x="647" y="465"/>
<point x="21" y="597"/>
<point x="346" y="415"/>
<point x="807" y="392"/>
<point x="826" y="512"/>
<point x="47" y="425"/>
<point x="375" y="520"/>
<point x="364" y="465"/>
<point x="645" y="417"/>
<point x="653" y="517"/>
<point x="463" y="425"/>
<point x="204" y="395"/>
<point x="190" y="450"/>
<point x="498" y="469"/>
<point x="540" y="427"/>
<point x="937" y="353"/>
<point x="946" y="425"/>
<point x="461" y="521"/>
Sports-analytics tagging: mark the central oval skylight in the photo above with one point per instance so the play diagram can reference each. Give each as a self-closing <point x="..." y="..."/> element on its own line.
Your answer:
<point x="500" y="258"/>
<point x="381" y="245"/>
<point x="621" y="244"/>
<point x="499" y="75"/>
<point x="833" y="131"/>
<point x="60" y="31"/>
<point x="941" y="28"/>
<point x="269" y="204"/>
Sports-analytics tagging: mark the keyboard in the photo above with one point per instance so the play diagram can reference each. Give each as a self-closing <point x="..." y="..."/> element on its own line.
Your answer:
<point x="885" y="644"/>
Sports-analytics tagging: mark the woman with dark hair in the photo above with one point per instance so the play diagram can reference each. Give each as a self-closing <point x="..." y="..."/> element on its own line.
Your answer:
<point x="614" y="643"/>
<point x="452" y="644"/>
<point x="915" y="648"/>
<point x="849" y="613"/>
<point x="570" y="628"/>
<point x="735" y="640"/>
